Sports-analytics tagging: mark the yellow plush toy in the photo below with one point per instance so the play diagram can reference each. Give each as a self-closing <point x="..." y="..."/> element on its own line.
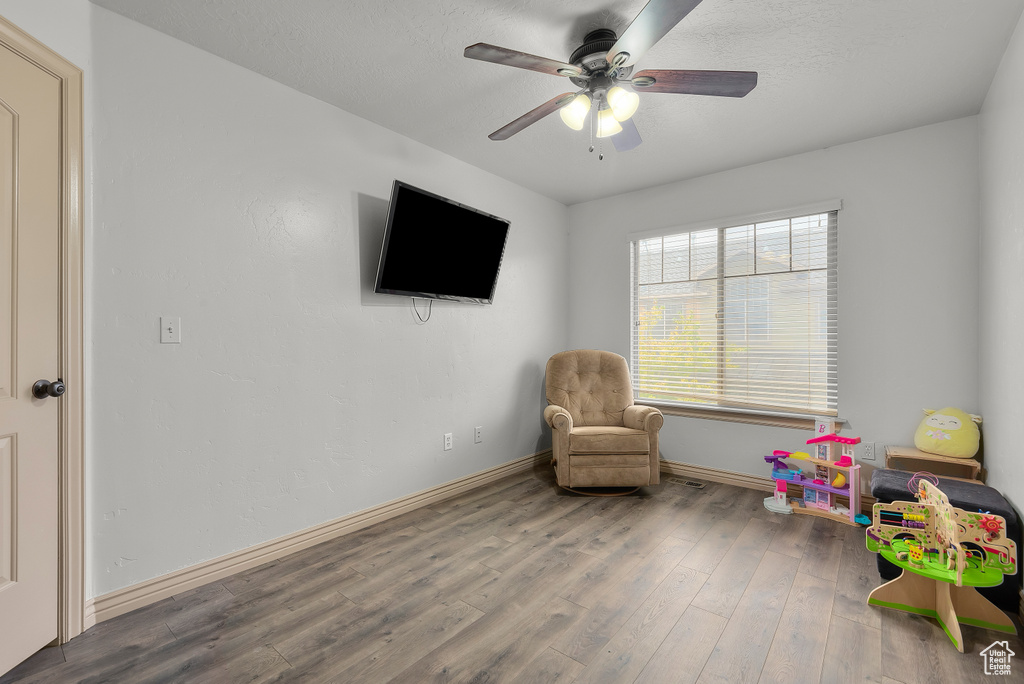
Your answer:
<point x="949" y="432"/>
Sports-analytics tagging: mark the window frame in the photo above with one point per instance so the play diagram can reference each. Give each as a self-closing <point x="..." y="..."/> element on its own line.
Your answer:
<point x="777" y="418"/>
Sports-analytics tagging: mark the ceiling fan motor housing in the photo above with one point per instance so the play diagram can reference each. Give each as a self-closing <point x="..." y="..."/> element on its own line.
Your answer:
<point x="591" y="55"/>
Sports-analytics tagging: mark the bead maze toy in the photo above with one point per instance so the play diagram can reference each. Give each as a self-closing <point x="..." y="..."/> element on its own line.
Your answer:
<point x="945" y="552"/>
<point x="832" y="477"/>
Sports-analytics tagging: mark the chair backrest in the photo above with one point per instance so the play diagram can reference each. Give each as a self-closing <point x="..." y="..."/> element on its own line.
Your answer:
<point x="594" y="386"/>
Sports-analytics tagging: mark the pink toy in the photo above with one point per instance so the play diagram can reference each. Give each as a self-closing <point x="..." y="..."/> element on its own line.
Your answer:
<point x="778" y="503"/>
<point x="833" y="477"/>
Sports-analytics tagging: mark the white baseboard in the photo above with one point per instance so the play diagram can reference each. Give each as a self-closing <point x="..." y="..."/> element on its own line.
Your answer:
<point x="150" y="591"/>
<point x="699" y="472"/>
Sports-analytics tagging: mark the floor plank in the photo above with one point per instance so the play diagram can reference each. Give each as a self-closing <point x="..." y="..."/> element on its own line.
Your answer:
<point x="615" y="602"/>
<point x="857" y="576"/>
<point x="524" y="575"/>
<point x="824" y="549"/>
<point x="794" y="531"/>
<point x="594" y="587"/>
<point x="633" y="645"/>
<point x="686" y="649"/>
<point x="799" y="645"/>
<point x="712" y="547"/>
<point x="743" y="647"/>
<point x="728" y="582"/>
<point x="514" y="636"/>
<point x="853" y="653"/>
<point x="712" y="505"/>
<point x="409" y="641"/>
<point x="549" y="667"/>
<point x="258" y="664"/>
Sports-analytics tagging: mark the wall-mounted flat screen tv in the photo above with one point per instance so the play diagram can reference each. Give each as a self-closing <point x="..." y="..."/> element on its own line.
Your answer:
<point x="437" y="248"/>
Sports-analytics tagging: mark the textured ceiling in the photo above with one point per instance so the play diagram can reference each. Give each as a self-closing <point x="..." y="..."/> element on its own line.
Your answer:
<point x="830" y="71"/>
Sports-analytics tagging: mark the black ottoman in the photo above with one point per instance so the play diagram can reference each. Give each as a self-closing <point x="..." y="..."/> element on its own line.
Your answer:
<point x="891" y="485"/>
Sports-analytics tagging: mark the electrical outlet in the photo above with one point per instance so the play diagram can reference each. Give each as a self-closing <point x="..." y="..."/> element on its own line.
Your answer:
<point x="869" y="452"/>
<point x="478" y="434"/>
<point x="447" y="441"/>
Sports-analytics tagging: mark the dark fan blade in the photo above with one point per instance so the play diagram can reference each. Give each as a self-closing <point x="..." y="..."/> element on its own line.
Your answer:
<point x="656" y="19"/>
<point x="500" y="55"/>
<point x="628" y="138"/>
<point x="723" y="83"/>
<point x="531" y="117"/>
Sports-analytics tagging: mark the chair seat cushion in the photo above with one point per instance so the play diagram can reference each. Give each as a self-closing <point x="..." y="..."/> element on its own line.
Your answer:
<point x="608" y="439"/>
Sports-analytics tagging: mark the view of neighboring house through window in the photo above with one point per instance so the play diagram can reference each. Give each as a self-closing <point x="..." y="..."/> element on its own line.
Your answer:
<point x="741" y="317"/>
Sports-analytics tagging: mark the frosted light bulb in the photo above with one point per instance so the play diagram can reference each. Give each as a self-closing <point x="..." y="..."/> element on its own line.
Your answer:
<point x="623" y="103"/>
<point x="606" y="124"/>
<point x="574" y="113"/>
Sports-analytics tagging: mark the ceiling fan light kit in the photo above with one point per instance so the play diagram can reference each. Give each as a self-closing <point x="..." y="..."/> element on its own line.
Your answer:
<point x="601" y="67"/>
<point x="575" y="113"/>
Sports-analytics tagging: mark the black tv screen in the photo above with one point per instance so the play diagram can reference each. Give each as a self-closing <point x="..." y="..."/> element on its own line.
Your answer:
<point x="437" y="248"/>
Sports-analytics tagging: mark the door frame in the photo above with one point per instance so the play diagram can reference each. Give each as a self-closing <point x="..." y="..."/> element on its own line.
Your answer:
<point x="71" y="615"/>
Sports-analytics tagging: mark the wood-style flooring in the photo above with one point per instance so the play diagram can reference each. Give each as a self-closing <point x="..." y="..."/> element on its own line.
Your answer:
<point x="520" y="581"/>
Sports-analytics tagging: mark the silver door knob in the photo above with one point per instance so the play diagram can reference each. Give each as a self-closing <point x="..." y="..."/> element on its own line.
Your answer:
<point x="45" y="388"/>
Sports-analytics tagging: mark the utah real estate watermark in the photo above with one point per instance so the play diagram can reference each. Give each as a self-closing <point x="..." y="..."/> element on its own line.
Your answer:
<point x="997" y="658"/>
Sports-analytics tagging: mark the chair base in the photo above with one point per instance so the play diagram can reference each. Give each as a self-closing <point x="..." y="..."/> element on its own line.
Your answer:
<point x="603" y="491"/>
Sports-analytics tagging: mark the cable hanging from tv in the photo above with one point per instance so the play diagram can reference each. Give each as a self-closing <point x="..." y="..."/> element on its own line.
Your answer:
<point x="430" y="307"/>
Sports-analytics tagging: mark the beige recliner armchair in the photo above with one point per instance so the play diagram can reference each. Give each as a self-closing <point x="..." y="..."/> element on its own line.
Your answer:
<point x="600" y="438"/>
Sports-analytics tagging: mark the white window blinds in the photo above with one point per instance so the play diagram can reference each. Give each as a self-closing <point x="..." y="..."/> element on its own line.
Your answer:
<point x="741" y="317"/>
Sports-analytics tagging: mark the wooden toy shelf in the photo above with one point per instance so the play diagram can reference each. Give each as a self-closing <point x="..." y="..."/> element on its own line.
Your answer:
<point x="911" y="459"/>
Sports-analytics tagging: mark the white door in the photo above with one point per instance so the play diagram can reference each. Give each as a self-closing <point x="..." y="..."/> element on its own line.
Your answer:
<point x="30" y="186"/>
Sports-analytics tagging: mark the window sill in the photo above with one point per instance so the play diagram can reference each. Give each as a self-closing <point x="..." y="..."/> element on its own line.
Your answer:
<point x="798" y="422"/>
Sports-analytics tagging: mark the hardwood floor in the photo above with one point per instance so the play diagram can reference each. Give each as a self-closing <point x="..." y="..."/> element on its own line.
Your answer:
<point x="520" y="581"/>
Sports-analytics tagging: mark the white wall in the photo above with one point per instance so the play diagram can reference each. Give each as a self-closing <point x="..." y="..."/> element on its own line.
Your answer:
<point x="62" y="25"/>
<point x="297" y="396"/>
<point x="908" y="248"/>
<point x="1001" y="269"/>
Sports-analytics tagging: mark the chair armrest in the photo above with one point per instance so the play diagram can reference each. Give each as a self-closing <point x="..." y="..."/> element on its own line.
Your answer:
<point x="645" y="418"/>
<point x="650" y="420"/>
<point x="558" y="418"/>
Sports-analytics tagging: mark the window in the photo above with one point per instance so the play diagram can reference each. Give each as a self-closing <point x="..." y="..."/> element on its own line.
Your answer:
<point x="739" y="317"/>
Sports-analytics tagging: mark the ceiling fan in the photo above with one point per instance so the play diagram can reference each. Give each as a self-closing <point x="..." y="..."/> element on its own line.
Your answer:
<point x="602" y="66"/>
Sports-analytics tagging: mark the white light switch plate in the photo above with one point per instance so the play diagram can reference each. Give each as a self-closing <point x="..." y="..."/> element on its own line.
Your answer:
<point x="170" y="330"/>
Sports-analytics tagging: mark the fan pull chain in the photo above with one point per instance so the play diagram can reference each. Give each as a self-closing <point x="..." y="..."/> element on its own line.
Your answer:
<point x="593" y="125"/>
<point x="594" y="111"/>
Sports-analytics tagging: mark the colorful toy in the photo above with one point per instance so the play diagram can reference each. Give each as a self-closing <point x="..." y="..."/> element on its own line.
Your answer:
<point x="945" y="552"/>
<point x="949" y="432"/>
<point x="832" y="478"/>
<point x="778" y="502"/>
